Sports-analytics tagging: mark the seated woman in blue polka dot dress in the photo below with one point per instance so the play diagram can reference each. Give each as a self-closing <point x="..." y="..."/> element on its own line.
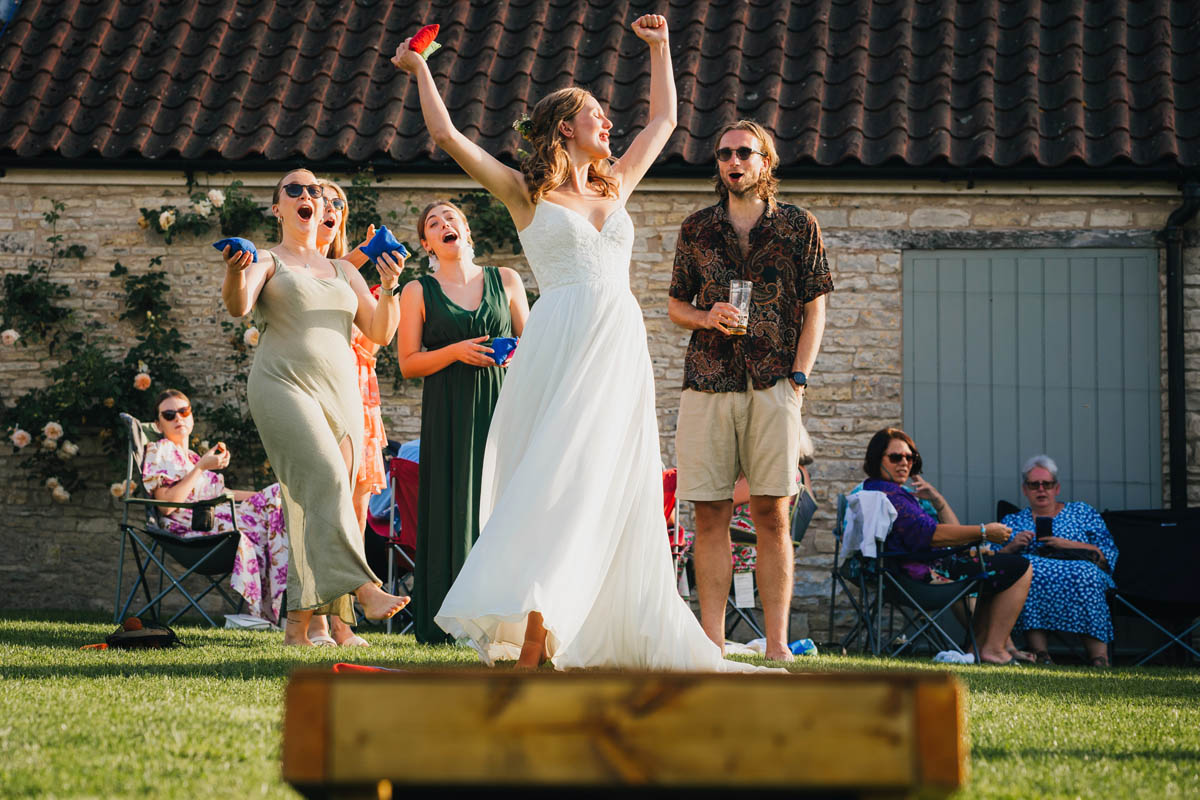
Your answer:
<point x="1065" y="596"/>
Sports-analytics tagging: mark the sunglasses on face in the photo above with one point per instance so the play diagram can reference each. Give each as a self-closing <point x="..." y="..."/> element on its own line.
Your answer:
<point x="169" y="414"/>
<point x="1035" y="485"/>
<point x="896" y="458"/>
<point x="743" y="153"/>
<point x="336" y="202"/>
<point x="315" y="191"/>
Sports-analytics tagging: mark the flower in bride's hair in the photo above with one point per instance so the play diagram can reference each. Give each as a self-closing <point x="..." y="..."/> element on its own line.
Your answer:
<point x="250" y="337"/>
<point x="524" y="126"/>
<point x="166" y="219"/>
<point x="216" y="197"/>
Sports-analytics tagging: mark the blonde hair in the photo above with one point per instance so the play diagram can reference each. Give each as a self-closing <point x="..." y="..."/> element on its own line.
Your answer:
<point x="548" y="166"/>
<point x="768" y="184"/>
<point x="338" y="246"/>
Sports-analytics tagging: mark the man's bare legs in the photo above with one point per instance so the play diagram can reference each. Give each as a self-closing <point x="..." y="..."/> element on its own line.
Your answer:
<point x="714" y="567"/>
<point x="774" y="570"/>
<point x="533" y="650"/>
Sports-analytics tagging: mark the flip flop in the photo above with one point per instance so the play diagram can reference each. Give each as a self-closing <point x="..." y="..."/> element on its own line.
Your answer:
<point x="323" y="640"/>
<point x="354" y="640"/>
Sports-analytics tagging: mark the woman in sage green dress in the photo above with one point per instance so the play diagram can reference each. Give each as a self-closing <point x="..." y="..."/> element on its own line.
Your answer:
<point x="305" y="400"/>
<point x="446" y="322"/>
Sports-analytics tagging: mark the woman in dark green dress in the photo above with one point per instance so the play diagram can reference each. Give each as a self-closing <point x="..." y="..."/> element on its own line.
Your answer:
<point x="447" y="320"/>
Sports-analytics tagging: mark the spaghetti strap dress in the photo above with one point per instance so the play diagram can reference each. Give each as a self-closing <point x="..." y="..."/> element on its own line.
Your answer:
<point x="456" y="413"/>
<point x="305" y="401"/>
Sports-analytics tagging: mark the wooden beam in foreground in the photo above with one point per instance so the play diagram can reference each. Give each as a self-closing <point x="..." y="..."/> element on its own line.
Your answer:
<point x="870" y="734"/>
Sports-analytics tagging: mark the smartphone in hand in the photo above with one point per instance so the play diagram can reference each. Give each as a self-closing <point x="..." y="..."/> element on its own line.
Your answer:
<point x="1043" y="527"/>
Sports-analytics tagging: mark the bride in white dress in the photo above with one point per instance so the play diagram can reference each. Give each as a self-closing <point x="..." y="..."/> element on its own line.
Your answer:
<point x="572" y="561"/>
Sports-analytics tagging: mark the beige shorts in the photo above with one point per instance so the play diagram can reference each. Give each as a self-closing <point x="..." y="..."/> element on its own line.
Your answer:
<point x="758" y="433"/>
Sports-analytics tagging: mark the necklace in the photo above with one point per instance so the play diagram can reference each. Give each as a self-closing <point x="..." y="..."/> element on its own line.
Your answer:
<point x="292" y="252"/>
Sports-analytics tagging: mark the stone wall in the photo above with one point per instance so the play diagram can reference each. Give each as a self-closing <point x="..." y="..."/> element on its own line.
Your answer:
<point x="65" y="555"/>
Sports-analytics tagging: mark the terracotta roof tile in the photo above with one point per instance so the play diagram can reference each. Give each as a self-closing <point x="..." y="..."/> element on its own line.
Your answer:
<point x="888" y="82"/>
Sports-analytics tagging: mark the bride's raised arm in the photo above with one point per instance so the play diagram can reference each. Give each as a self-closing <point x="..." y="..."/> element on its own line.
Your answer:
<point x="505" y="183"/>
<point x="631" y="167"/>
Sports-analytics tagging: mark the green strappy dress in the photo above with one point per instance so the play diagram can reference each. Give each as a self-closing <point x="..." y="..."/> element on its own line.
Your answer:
<point x="305" y="401"/>
<point x="456" y="411"/>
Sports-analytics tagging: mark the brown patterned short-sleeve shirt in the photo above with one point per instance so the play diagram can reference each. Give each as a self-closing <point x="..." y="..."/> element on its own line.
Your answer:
<point x="787" y="265"/>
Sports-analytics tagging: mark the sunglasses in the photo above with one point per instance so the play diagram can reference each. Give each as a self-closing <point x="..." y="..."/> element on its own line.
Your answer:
<point x="896" y="458"/>
<point x="1035" y="485"/>
<point x="315" y="191"/>
<point x="169" y="414"/>
<point x="743" y="153"/>
<point x="337" y="203"/>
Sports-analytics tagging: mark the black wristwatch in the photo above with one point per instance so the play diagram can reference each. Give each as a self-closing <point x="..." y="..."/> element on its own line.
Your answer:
<point x="395" y="290"/>
<point x="799" y="378"/>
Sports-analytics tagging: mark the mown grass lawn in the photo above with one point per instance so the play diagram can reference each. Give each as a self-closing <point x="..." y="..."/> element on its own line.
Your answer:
<point x="204" y="720"/>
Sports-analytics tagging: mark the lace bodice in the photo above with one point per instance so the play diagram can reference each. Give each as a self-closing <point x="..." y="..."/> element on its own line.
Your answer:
<point x="564" y="248"/>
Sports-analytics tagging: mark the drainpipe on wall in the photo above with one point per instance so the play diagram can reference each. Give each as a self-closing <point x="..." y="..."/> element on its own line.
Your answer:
<point x="1172" y="237"/>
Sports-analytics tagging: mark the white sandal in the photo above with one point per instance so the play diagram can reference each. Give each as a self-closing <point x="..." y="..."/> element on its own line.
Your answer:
<point x="355" y="640"/>
<point x="323" y="640"/>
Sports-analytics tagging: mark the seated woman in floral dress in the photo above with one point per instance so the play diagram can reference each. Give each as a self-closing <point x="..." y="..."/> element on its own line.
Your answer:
<point x="172" y="472"/>
<point x="1065" y="595"/>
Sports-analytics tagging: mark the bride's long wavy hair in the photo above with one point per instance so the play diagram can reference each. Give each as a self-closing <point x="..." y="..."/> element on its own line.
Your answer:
<point x="548" y="166"/>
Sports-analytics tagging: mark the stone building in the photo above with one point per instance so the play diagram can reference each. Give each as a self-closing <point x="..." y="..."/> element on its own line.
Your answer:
<point x="1007" y="202"/>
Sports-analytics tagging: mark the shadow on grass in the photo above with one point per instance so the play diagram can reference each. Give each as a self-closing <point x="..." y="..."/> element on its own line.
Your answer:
<point x="1084" y="754"/>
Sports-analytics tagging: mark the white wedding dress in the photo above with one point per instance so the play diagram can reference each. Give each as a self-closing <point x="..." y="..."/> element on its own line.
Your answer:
<point x="571" y="500"/>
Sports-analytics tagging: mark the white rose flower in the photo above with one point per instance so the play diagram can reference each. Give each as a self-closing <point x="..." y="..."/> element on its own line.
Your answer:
<point x="9" y="337"/>
<point x="52" y="430"/>
<point x="20" y="438"/>
<point x="60" y="495"/>
<point x="204" y="208"/>
<point x="52" y="483"/>
<point x="49" y="444"/>
<point x="216" y="197"/>
<point x="250" y="337"/>
<point x="166" y="219"/>
<point x="71" y="448"/>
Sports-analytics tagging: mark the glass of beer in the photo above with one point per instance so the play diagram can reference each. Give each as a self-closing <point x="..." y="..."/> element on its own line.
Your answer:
<point x="739" y="297"/>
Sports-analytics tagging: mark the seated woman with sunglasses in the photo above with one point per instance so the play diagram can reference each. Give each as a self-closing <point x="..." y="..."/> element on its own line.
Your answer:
<point x="304" y="397"/>
<point x="171" y="471"/>
<point x="1065" y="595"/>
<point x="892" y="459"/>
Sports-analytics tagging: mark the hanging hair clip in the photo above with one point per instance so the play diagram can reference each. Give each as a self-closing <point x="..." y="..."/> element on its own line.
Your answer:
<point x="524" y="126"/>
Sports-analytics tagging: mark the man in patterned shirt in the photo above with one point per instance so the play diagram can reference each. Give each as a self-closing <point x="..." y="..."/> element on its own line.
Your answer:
<point x="742" y="394"/>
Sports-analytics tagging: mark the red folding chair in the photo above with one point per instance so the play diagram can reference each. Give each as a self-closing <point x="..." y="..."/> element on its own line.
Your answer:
<point x="680" y="541"/>
<point x="402" y="543"/>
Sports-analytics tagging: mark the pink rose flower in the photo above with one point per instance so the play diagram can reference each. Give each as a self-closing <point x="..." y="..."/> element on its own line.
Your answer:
<point x="9" y="337"/>
<point x="52" y="430"/>
<point x="141" y="381"/>
<point x="20" y="438"/>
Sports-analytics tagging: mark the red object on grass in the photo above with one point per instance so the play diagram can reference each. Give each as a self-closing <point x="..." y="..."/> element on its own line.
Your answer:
<point x="423" y="42"/>
<point x="342" y="666"/>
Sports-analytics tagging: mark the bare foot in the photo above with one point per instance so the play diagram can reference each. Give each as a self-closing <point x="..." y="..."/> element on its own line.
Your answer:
<point x="780" y="655"/>
<point x="378" y="604"/>
<point x="995" y="657"/>
<point x="533" y="655"/>
<point x="296" y="632"/>
<point x="318" y="628"/>
<point x="344" y="635"/>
